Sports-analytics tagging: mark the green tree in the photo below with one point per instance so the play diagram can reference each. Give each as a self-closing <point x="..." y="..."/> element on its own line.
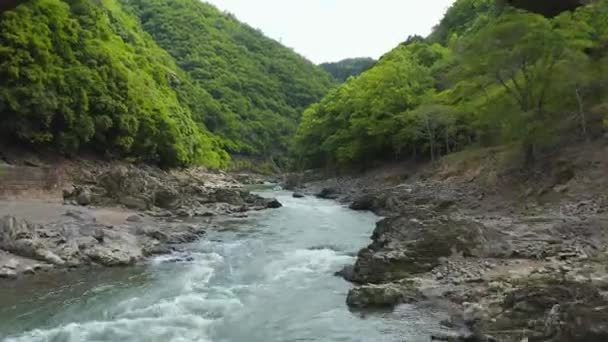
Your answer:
<point x="523" y="53"/>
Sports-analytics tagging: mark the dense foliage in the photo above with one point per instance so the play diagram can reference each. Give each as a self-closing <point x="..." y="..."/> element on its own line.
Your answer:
<point x="84" y="74"/>
<point x="346" y="68"/>
<point x="261" y="86"/>
<point x="488" y="75"/>
<point x="78" y="74"/>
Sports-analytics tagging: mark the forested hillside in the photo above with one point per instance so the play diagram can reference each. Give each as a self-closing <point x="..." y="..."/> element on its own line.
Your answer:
<point x="488" y="75"/>
<point x="262" y="86"/>
<point x="346" y="68"/>
<point x="85" y="75"/>
<point x="82" y="74"/>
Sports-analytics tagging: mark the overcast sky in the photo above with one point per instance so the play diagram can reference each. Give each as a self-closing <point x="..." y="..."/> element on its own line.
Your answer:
<point x="331" y="30"/>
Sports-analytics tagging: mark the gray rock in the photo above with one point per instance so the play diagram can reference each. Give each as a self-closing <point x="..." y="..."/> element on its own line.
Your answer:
<point x="135" y="203"/>
<point x="68" y="192"/>
<point x="84" y="198"/>
<point x="114" y="257"/>
<point x="18" y="237"/>
<point x="346" y="273"/>
<point x="166" y="198"/>
<point x="185" y="212"/>
<point x="403" y="246"/>
<point x="50" y="257"/>
<point x="365" y="202"/>
<point x="382" y="296"/>
<point x="298" y="195"/>
<point x="80" y="216"/>
<point x="274" y="204"/>
<point x="6" y="273"/>
<point x="11" y="264"/>
<point x="328" y="193"/>
<point x="29" y="271"/>
<point x="154" y="233"/>
<point x="135" y="219"/>
<point x="230" y="196"/>
<point x="158" y="250"/>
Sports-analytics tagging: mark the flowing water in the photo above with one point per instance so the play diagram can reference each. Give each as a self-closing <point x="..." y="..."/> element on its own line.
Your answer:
<point x="266" y="278"/>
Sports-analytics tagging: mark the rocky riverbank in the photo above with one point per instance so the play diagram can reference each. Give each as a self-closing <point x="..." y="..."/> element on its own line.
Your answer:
<point x="113" y="214"/>
<point x="509" y="263"/>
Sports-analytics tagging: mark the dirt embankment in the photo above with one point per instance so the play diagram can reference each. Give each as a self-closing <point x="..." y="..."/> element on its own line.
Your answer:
<point x="515" y="254"/>
<point x="57" y="215"/>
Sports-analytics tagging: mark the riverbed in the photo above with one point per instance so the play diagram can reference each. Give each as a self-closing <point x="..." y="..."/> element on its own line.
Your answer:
<point x="265" y="278"/>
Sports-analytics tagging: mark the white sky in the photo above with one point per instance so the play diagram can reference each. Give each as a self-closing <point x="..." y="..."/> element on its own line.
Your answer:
<point x="331" y="30"/>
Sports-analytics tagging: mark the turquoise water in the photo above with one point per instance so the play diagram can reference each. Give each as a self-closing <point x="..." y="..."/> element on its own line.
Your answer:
<point x="262" y="279"/>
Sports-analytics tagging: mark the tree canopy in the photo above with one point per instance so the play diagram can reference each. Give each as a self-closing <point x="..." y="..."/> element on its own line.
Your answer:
<point x="261" y="86"/>
<point x="172" y="82"/>
<point x="81" y="75"/>
<point x="487" y="75"/>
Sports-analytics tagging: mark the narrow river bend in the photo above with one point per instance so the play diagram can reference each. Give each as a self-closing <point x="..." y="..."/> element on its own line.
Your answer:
<point x="267" y="278"/>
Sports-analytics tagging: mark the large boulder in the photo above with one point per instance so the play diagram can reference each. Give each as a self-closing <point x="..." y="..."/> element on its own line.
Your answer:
<point x="274" y="204"/>
<point x="328" y="193"/>
<point x="84" y="198"/>
<point x="135" y="203"/>
<point x="166" y="198"/>
<point x="129" y="181"/>
<point x="365" y="202"/>
<point x="230" y="196"/>
<point x="107" y="256"/>
<point x="292" y="181"/>
<point x="403" y="246"/>
<point x="382" y="296"/>
<point x="19" y="237"/>
<point x="552" y="310"/>
<point x="7" y="273"/>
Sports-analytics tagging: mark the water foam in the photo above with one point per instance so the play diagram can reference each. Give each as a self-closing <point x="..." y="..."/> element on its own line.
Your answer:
<point x="185" y="316"/>
<point x="312" y="261"/>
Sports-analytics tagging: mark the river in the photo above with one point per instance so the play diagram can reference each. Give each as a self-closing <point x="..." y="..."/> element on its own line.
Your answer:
<point x="265" y="278"/>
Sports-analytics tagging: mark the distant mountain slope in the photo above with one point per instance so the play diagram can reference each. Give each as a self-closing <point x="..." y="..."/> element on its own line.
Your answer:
<point x="346" y="68"/>
<point x="262" y="86"/>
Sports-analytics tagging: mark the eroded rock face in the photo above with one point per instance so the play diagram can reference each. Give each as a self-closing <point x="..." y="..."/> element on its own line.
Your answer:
<point x="382" y="296"/>
<point x="365" y="202"/>
<point x="179" y="193"/>
<point x="328" y="193"/>
<point x="78" y="240"/>
<point x="166" y="198"/>
<point x="19" y="237"/>
<point x="554" y="310"/>
<point x="230" y="196"/>
<point x="404" y="246"/>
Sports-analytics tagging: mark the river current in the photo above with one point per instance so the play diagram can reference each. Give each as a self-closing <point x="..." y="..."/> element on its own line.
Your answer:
<point x="266" y="278"/>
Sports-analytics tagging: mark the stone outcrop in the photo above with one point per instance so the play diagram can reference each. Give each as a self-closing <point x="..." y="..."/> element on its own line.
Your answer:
<point x="382" y="296"/>
<point x="328" y="193"/>
<point x="509" y="259"/>
<point x="79" y="240"/>
<point x="404" y="246"/>
<point x="182" y="194"/>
